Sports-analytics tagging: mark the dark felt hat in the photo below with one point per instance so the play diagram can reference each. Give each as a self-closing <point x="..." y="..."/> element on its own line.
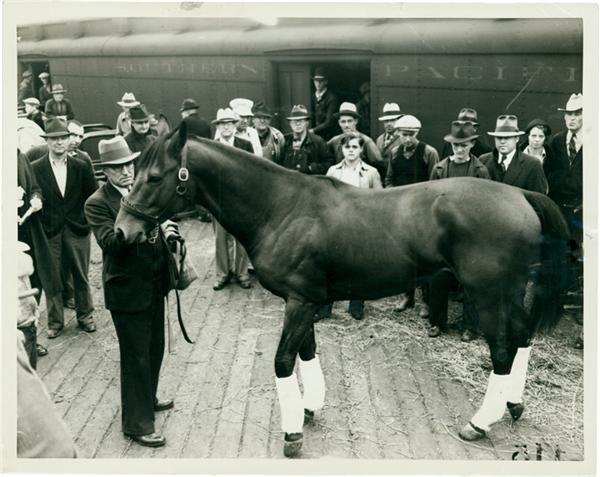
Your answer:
<point x="540" y="123"/>
<point x="56" y="127"/>
<point x="188" y="103"/>
<point x="115" y="151"/>
<point x="461" y="131"/>
<point x="260" y="110"/>
<point x="139" y="114"/>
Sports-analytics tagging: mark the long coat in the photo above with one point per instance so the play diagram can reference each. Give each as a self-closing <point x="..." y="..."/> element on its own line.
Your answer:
<point x="313" y="157"/>
<point x="565" y="180"/>
<point x="524" y="171"/>
<point x="325" y="108"/>
<point x="475" y="169"/>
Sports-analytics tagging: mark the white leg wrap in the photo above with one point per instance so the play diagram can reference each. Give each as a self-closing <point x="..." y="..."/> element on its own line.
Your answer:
<point x="518" y="372"/>
<point x="290" y="404"/>
<point x="494" y="402"/>
<point x="314" y="384"/>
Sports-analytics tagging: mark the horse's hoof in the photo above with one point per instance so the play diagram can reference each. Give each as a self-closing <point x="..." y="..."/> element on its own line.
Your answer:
<point x="292" y="444"/>
<point x="515" y="409"/>
<point x="471" y="433"/>
<point x="308" y="416"/>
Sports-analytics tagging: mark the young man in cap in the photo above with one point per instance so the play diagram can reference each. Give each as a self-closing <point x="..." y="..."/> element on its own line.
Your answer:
<point x="25" y="87"/>
<point x="243" y="108"/>
<point x="348" y="118"/>
<point x="32" y="111"/>
<point x="141" y="136"/>
<point x="59" y="106"/>
<point x="127" y="102"/>
<point x="304" y="151"/>
<point x="468" y="115"/>
<point x="231" y="260"/>
<point x="66" y="183"/>
<point x="271" y="139"/>
<point x="388" y="143"/>
<point x="136" y="280"/>
<point x="325" y="105"/>
<point x="45" y="91"/>
<point x="509" y="165"/>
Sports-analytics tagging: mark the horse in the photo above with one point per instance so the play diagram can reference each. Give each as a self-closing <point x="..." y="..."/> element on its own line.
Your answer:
<point x="313" y="240"/>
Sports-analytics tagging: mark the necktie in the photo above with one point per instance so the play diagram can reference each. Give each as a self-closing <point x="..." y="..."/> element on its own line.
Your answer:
<point x="572" y="149"/>
<point x="503" y="163"/>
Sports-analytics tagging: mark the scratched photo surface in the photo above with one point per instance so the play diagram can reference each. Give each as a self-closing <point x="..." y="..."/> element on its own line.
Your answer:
<point x="391" y="391"/>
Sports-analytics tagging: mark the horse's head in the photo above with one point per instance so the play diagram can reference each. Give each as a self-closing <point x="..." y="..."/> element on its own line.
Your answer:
<point x="162" y="187"/>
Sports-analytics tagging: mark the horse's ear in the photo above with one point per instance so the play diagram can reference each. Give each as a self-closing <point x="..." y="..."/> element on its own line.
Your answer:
<point x="178" y="138"/>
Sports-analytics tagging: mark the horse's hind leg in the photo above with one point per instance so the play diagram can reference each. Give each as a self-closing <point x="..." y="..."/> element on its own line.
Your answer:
<point x="313" y="381"/>
<point x="296" y="326"/>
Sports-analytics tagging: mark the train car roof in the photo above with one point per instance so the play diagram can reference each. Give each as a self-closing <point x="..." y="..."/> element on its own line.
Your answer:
<point x="204" y="36"/>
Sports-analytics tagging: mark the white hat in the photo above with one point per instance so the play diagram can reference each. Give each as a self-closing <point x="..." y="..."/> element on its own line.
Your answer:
<point x="408" y="122"/>
<point x="32" y="101"/>
<point x="347" y="109"/>
<point x="575" y="103"/>
<point x="242" y="106"/>
<point x="128" y="100"/>
<point x="226" y="115"/>
<point x="390" y="111"/>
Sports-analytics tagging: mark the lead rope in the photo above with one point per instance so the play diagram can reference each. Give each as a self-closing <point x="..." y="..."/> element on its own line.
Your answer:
<point x="183" y="253"/>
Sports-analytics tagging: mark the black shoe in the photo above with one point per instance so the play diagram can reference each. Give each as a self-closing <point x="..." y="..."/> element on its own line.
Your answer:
<point x="149" y="440"/>
<point x="357" y="315"/>
<point x="221" y="283"/>
<point x="41" y="350"/>
<point x="88" y="326"/>
<point x="163" y="405"/>
<point x="245" y="283"/>
<point x="69" y="303"/>
<point x="53" y="333"/>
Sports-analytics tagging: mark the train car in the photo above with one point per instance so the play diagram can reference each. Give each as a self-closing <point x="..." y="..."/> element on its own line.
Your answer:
<point x="431" y="67"/>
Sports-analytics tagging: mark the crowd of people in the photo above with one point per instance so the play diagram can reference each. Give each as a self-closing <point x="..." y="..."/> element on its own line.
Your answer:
<point x="62" y="205"/>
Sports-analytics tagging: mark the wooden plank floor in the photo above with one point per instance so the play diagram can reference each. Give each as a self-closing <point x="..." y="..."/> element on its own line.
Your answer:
<point x="383" y="399"/>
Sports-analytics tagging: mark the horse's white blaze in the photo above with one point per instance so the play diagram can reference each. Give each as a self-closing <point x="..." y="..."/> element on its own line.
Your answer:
<point x="494" y="402"/>
<point x="290" y="404"/>
<point x="518" y="373"/>
<point x="313" y="383"/>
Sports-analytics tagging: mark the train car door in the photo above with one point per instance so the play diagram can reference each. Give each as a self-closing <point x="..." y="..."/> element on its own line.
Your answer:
<point x="294" y="87"/>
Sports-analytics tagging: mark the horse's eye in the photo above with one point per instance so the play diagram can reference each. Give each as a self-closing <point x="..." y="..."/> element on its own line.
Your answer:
<point x="155" y="179"/>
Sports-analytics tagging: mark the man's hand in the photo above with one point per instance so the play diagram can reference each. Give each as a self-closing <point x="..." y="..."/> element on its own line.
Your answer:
<point x="171" y="230"/>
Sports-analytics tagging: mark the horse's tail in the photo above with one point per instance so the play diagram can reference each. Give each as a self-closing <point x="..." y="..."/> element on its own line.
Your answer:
<point x="552" y="276"/>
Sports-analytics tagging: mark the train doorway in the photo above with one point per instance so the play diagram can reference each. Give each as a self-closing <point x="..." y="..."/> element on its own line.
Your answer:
<point x="36" y="67"/>
<point x="349" y="80"/>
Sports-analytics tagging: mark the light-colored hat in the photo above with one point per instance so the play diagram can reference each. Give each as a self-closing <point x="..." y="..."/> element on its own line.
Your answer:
<point x="58" y="88"/>
<point x="115" y="151"/>
<point x="128" y="100"/>
<point x="242" y="106"/>
<point x="575" y="103"/>
<point x="347" y="109"/>
<point x="390" y="111"/>
<point x="299" y="111"/>
<point x="507" y="125"/>
<point x="32" y="101"/>
<point x="226" y="115"/>
<point x="27" y="74"/>
<point x="408" y="123"/>
<point x="44" y="74"/>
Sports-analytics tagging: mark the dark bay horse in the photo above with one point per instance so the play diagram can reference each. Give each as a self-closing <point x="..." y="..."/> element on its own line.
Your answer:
<point x="314" y="240"/>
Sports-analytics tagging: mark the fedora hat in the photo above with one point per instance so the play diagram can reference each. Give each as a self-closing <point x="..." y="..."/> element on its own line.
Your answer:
<point x="226" y="115"/>
<point x="27" y="74"/>
<point x="320" y="73"/>
<point x="575" y="103"/>
<point x="44" y="74"/>
<point x="188" y="103"/>
<point x="139" y="114"/>
<point x="507" y="126"/>
<point x="58" y="88"/>
<point x="128" y="100"/>
<point x="461" y="131"/>
<point x="260" y="110"/>
<point x="242" y="106"/>
<point x="540" y="123"/>
<point x="347" y="109"/>
<point x="408" y="123"/>
<point x="115" y="151"/>
<point x="299" y="111"/>
<point x="468" y="114"/>
<point x="390" y="111"/>
<point x="56" y="127"/>
<point x="32" y="101"/>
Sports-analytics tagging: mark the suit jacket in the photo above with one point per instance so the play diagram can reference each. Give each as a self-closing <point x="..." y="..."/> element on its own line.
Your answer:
<point x="58" y="211"/>
<point x="524" y="171"/>
<point x="565" y="180"/>
<point x="325" y="122"/>
<point x="128" y="270"/>
<point x="313" y="157"/>
<point x="64" y="108"/>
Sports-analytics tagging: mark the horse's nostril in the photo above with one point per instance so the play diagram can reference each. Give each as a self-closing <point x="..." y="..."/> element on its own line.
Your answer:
<point x="119" y="233"/>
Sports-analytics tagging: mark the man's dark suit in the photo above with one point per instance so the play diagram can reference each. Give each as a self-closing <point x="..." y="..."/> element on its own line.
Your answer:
<point x="136" y="280"/>
<point x="524" y="171"/>
<point x="64" y="224"/>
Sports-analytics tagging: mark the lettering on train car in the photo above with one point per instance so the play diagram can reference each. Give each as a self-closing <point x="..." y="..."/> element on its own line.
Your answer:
<point x="199" y="70"/>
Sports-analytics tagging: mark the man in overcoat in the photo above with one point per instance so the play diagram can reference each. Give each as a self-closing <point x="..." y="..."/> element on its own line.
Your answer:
<point x="59" y="106"/>
<point x="325" y="105"/>
<point x="388" y="143"/>
<point x="136" y="280"/>
<point x="140" y="136"/>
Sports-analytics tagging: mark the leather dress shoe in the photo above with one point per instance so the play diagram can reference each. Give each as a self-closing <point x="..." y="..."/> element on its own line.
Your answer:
<point x="221" y="283"/>
<point x="149" y="440"/>
<point x="69" y="303"/>
<point x="163" y="405"/>
<point x="41" y="350"/>
<point x="245" y="283"/>
<point x="53" y="333"/>
<point x="88" y="326"/>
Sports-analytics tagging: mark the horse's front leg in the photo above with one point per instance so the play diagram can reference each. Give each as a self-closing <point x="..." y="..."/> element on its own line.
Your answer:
<point x="297" y="327"/>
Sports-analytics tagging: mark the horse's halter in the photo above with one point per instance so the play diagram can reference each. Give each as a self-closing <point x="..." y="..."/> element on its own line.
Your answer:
<point x="181" y="189"/>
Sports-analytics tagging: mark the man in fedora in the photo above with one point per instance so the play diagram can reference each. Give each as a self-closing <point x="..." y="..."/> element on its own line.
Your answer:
<point x="461" y="163"/>
<point x="509" y="165"/>
<point x="348" y="118"/>
<point x="45" y="91"/>
<point x="468" y="115"/>
<point x="231" y="260"/>
<point x="195" y="124"/>
<point x="59" y="106"/>
<point x="127" y="102"/>
<point x="66" y="183"/>
<point x="325" y="105"/>
<point x="304" y="151"/>
<point x="136" y="280"/>
<point x="271" y="139"/>
<point x="32" y="111"/>
<point x="141" y="136"/>
<point x="389" y="142"/>
<point x="25" y="87"/>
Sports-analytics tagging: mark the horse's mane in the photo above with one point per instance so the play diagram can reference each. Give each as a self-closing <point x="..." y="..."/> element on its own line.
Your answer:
<point x="153" y="149"/>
